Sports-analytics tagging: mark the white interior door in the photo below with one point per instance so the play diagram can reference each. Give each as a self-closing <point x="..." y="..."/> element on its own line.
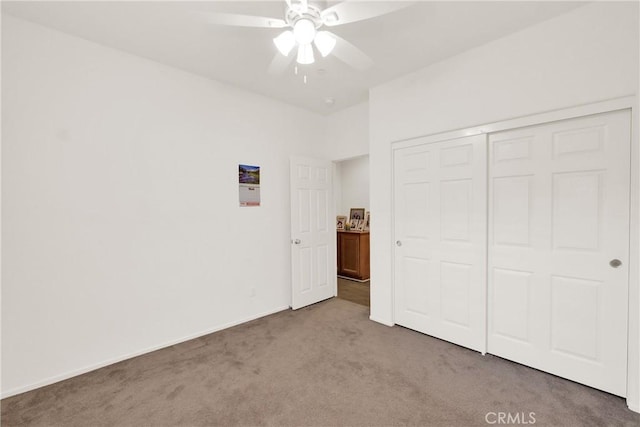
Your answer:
<point x="313" y="232"/>
<point x="559" y="217"/>
<point x="440" y="200"/>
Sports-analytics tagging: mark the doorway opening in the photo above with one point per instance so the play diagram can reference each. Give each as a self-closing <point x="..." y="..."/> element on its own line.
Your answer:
<point x="351" y="190"/>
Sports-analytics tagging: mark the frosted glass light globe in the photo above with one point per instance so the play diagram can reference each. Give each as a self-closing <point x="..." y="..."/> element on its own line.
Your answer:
<point x="304" y="31"/>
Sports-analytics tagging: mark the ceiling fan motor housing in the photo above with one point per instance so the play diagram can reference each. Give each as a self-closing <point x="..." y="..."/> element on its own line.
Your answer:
<point x="312" y="14"/>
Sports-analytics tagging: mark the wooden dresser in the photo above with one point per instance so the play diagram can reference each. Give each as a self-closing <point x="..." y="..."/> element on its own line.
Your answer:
<point x="353" y="254"/>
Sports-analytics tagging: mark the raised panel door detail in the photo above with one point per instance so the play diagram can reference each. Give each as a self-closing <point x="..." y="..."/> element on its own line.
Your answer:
<point x="456" y="282"/>
<point x="322" y="254"/>
<point x="416" y="201"/>
<point x="353" y="255"/>
<point x="349" y="249"/>
<point x="322" y="207"/>
<point x="511" y="206"/>
<point x="416" y="295"/>
<point x="455" y="205"/>
<point x="577" y="202"/>
<point x="456" y="156"/>
<point x="304" y="210"/>
<point x="575" y="311"/>
<point x="512" y="149"/>
<point x="306" y="269"/>
<point x="323" y="175"/>
<point x="511" y="303"/>
<point x="304" y="172"/>
<point x="416" y="161"/>
<point x="577" y="141"/>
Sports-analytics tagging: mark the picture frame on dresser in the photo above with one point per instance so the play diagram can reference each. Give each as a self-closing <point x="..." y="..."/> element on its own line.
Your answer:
<point x="341" y="220"/>
<point x="356" y="214"/>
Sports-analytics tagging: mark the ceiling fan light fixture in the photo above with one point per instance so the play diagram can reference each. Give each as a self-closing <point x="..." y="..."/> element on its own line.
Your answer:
<point x="330" y="17"/>
<point x="304" y="31"/>
<point x="276" y="23"/>
<point x="305" y="54"/>
<point x="285" y="42"/>
<point x="325" y="42"/>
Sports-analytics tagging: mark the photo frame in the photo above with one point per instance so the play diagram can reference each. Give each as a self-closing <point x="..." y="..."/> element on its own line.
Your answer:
<point x="341" y="220"/>
<point x="359" y="225"/>
<point x="367" y="220"/>
<point x="356" y="214"/>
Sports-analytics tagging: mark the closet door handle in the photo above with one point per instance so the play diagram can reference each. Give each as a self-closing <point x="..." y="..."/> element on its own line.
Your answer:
<point x="398" y="243"/>
<point x="615" y="263"/>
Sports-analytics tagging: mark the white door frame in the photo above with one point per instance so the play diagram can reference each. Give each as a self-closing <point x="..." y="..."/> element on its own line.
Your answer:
<point x="628" y="102"/>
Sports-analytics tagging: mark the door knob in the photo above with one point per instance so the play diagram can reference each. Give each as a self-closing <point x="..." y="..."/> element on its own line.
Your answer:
<point x="297" y="241"/>
<point x="398" y="243"/>
<point x="615" y="263"/>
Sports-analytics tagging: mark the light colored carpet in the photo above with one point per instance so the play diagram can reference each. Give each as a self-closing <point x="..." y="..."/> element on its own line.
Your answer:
<point x="325" y="365"/>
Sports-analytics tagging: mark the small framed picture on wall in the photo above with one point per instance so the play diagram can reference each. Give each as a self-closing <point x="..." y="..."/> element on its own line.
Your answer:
<point x="356" y="214"/>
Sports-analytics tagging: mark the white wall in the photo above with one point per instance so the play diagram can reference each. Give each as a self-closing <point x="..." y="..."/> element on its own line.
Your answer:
<point x="587" y="55"/>
<point x="347" y="143"/>
<point x="354" y="189"/>
<point x="348" y="132"/>
<point x="121" y="226"/>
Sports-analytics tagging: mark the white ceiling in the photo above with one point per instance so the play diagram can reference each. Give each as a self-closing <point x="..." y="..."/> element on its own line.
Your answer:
<point x="399" y="43"/>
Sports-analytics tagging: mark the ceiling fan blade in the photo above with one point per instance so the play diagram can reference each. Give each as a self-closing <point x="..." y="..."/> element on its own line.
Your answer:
<point x="353" y="11"/>
<point x="235" y="20"/>
<point x="280" y="63"/>
<point x="351" y="55"/>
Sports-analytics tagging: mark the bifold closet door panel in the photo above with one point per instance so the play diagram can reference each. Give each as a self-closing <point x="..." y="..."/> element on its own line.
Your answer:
<point x="440" y="219"/>
<point x="558" y="248"/>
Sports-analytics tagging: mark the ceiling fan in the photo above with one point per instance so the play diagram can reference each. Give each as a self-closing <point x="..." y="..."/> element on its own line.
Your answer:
<point x="304" y="24"/>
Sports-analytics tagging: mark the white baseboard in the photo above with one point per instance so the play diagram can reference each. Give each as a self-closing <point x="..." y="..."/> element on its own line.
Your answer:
<point x="633" y="406"/>
<point x="84" y="370"/>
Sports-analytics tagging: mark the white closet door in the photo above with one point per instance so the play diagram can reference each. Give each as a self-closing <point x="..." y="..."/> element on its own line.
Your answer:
<point x="440" y="229"/>
<point x="558" y="221"/>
